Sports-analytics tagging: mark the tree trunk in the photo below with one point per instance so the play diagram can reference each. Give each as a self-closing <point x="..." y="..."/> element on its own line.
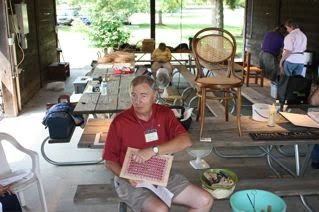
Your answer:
<point x="220" y="16"/>
<point x="214" y="13"/>
<point x="217" y="13"/>
<point x="160" y="17"/>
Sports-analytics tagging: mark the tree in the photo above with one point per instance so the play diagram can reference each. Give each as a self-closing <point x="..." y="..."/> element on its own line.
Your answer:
<point x="218" y="9"/>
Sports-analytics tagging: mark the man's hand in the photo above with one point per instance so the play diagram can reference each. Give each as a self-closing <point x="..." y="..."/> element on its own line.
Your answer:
<point x="134" y="182"/>
<point x="281" y="68"/>
<point x="5" y="190"/>
<point x="142" y="155"/>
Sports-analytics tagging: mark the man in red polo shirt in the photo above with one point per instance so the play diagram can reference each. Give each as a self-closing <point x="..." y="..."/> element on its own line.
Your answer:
<point x="153" y="129"/>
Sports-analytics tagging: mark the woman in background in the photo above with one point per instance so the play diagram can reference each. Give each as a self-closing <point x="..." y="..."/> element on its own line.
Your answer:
<point x="271" y="48"/>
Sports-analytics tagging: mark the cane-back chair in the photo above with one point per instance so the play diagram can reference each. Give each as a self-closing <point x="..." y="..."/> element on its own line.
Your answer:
<point x="251" y="71"/>
<point x="214" y="51"/>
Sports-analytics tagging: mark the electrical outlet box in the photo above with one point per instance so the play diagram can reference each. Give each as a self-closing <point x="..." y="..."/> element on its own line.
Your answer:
<point x="13" y="23"/>
<point x="22" y="17"/>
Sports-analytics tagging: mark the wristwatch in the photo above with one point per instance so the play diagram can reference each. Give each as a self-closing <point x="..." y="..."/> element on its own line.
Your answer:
<point x="155" y="150"/>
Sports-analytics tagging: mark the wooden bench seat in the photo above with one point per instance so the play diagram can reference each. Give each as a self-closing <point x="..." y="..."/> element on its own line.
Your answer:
<point x="188" y="76"/>
<point x="106" y="194"/>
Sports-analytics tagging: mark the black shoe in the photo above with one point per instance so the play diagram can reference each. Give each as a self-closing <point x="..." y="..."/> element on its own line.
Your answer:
<point x="315" y="165"/>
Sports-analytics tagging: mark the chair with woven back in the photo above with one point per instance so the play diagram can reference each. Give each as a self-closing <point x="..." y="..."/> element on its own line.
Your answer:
<point x="214" y="50"/>
<point x="252" y="71"/>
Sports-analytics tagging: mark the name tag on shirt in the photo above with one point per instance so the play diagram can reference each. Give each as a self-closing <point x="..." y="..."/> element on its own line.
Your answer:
<point x="151" y="135"/>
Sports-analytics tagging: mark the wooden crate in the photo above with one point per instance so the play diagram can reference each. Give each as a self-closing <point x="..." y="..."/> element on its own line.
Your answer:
<point x="58" y="71"/>
<point x="148" y="45"/>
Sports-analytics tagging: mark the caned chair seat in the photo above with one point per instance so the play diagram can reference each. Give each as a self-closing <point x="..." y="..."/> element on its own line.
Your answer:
<point x="218" y="82"/>
<point x="251" y="71"/>
<point x="214" y="51"/>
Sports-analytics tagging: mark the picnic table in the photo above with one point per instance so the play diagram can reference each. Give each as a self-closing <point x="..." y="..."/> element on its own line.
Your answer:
<point x="223" y="134"/>
<point x="116" y="100"/>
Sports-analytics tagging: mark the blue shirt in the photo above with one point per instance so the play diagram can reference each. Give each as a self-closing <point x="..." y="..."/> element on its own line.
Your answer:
<point x="272" y="43"/>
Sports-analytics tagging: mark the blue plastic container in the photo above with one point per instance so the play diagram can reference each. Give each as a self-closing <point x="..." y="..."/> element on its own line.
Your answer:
<point x="260" y="199"/>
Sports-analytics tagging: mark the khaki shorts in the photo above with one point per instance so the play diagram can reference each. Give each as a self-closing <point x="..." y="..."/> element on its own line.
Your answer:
<point x="135" y="197"/>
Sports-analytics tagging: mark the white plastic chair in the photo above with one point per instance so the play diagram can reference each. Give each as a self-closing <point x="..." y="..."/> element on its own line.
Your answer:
<point x="19" y="186"/>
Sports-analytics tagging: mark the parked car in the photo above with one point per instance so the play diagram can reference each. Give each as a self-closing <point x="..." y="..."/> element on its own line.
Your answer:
<point x="85" y="20"/>
<point x="64" y="20"/>
<point x="64" y="17"/>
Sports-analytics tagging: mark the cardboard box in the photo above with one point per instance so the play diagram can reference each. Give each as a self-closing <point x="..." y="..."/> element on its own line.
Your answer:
<point x="148" y="45"/>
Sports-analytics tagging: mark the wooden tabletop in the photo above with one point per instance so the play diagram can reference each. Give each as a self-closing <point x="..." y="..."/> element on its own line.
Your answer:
<point x="94" y="134"/>
<point x="225" y="134"/>
<point x="118" y="97"/>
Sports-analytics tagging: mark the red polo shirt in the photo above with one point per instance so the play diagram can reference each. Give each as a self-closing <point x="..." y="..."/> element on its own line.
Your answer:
<point x="127" y="130"/>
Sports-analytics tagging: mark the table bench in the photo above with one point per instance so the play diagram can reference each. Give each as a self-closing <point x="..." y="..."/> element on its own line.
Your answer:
<point x="106" y="194"/>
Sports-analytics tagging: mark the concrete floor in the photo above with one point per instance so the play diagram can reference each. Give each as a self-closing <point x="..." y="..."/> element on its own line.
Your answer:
<point x="60" y="183"/>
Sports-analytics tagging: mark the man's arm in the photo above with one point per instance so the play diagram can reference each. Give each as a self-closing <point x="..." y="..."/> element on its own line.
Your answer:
<point x="113" y="166"/>
<point x="169" y="55"/>
<point x="154" y="55"/>
<point x="177" y="144"/>
<point x="314" y="98"/>
<point x="285" y="55"/>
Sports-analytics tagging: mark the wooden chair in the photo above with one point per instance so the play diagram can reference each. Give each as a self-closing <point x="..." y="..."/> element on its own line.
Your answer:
<point x="251" y="71"/>
<point x="32" y="176"/>
<point x="214" y="49"/>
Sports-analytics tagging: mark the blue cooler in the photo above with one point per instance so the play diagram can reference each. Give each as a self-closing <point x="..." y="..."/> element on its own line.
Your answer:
<point x="61" y="125"/>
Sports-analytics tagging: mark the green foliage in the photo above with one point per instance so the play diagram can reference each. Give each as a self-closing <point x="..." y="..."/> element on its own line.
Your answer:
<point x="235" y="3"/>
<point x="108" y="31"/>
<point x="168" y="5"/>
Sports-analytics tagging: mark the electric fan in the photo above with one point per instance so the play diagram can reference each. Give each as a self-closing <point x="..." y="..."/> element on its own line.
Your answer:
<point x="163" y="80"/>
<point x="199" y="163"/>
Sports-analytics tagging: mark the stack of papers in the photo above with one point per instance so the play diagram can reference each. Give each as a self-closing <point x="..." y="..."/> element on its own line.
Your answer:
<point x="15" y="177"/>
<point x="303" y="120"/>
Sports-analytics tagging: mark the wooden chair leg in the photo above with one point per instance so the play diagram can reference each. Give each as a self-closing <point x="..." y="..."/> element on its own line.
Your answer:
<point x="262" y="80"/>
<point x="226" y="104"/>
<point x="202" y="112"/>
<point x="238" y="110"/>
<point x="247" y="79"/>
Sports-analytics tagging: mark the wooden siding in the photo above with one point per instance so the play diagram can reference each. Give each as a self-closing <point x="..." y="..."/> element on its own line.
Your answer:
<point x="41" y="46"/>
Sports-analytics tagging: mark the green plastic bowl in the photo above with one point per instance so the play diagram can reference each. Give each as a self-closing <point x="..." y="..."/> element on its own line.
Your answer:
<point x="217" y="186"/>
<point x="239" y="201"/>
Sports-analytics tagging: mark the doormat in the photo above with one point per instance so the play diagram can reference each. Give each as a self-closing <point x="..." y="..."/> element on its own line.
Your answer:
<point x="95" y="194"/>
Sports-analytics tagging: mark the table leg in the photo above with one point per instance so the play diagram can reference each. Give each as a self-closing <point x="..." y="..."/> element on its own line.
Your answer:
<point x="307" y="159"/>
<point x="68" y="163"/>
